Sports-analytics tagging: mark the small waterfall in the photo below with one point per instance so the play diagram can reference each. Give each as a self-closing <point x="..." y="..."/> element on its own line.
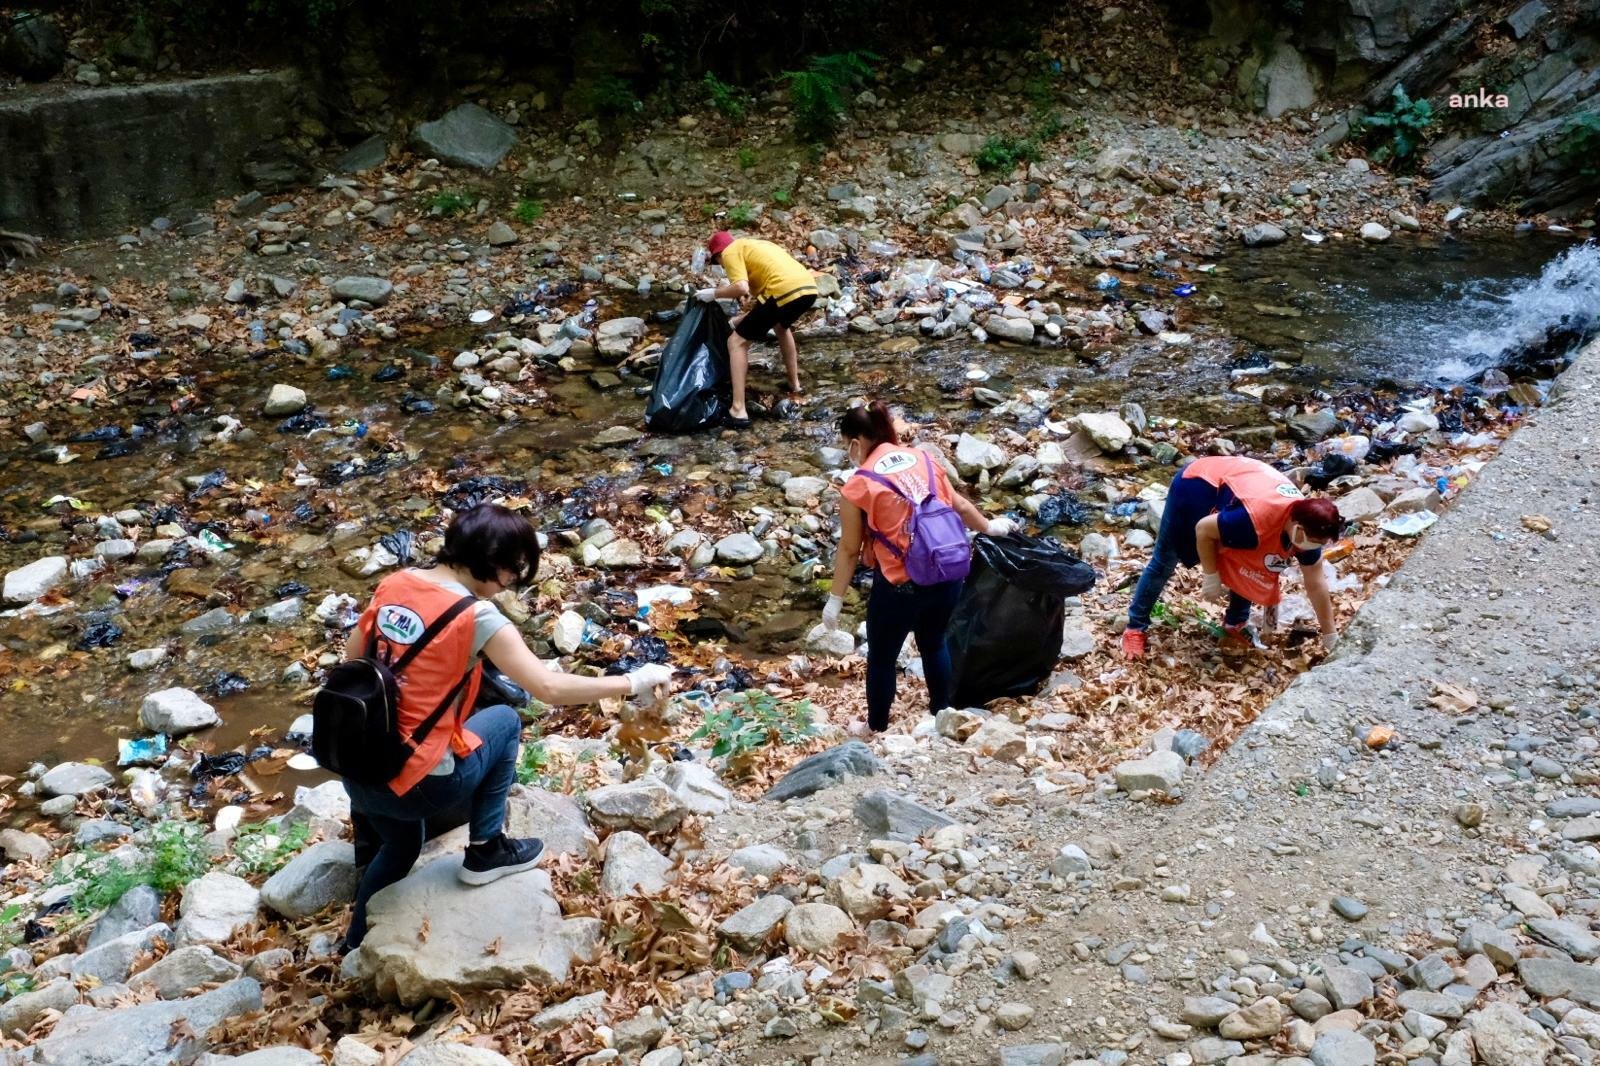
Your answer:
<point x="1544" y="318"/>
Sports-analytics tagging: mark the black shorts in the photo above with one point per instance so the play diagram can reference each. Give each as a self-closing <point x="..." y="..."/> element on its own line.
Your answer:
<point x="761" y="318"/>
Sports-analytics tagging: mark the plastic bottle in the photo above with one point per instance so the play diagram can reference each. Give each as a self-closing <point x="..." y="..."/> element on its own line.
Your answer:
<point x="698" y="263"/>
<point x="1107" y="282"/>
<point x="1354" y="445"/>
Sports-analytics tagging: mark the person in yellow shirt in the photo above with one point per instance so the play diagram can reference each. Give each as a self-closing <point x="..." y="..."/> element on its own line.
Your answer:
<point x="782" y="289"/>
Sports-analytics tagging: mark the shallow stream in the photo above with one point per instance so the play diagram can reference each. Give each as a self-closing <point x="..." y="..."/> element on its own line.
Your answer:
<point x="1414" y="313"/>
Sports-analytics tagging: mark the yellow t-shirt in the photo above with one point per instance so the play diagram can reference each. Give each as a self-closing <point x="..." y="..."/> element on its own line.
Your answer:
<point x="772" y="273"/>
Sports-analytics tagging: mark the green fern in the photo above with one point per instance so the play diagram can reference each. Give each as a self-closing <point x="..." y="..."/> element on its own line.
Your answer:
<point x="819" y="95"/>
<point x="1401" y="131"/>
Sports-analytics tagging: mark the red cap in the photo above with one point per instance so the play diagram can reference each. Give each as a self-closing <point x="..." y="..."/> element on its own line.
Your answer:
<point x="719" y="240"/>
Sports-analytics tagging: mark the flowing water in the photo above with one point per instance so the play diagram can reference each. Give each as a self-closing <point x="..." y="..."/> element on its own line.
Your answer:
<point x="1420" y="313"/>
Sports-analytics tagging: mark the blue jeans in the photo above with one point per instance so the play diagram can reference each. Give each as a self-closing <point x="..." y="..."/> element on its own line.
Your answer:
<point x="894" y="612"/>
<point x="480" y="780"/>
<point x="1158" y="571"/>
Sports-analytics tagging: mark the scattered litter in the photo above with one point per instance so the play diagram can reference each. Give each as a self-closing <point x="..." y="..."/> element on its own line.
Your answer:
<point x="1409" y="525"/>
<point x="481" y="316"/>
<point x="141" y="751"/>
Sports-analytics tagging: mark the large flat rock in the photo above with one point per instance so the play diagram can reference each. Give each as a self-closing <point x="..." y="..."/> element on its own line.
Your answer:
<point x="430" y="935"/>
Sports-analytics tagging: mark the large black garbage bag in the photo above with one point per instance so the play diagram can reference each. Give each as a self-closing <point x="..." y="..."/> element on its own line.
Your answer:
<point x="692" y="389"/>
<point x="1005" y="634"/>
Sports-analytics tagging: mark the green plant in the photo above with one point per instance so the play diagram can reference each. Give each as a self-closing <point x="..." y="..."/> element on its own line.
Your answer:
<point x="529" y="211"/>
<point x="818" y="95"/>
<point x="782" y="197"/>
<point x="1580" y="144"/>
<point x="610" y="95"/>
<point x="748" y="157"/>
<point x="1400" y="131"/>
<point x="741" y="215"/>
<point x="9" y="934"/>
<point x="263" y="848"/>
<point x="744" y="722"/>
<point x="534" y="762"/>
<point x="449" y="202"/>
<point x="1005" y="153"/>
<point x="174" y="854"/>
<point x="727" y="100"/>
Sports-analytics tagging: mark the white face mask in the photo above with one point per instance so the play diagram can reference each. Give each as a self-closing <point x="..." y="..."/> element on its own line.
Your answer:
<point x="1302" y="543"/>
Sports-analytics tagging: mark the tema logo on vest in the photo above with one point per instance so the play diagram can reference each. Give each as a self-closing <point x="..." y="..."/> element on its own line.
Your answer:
<point x="1276" y="563"/>
<point x="400" y="624"/>
<point x="893" y="464"/>
<point x="1291" y="492"/>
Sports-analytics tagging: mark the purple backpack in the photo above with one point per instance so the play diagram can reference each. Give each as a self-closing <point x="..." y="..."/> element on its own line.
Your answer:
<point x="937" y="550"/>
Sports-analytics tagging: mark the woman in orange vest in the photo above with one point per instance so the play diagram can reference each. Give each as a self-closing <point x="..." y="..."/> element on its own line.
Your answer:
<point x="1243" y="523"/>
<point x="896" y="606"/>
<point x="463" y="761"/>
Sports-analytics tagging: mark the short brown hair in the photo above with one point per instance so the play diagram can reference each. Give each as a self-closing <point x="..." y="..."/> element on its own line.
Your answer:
<point x="490" y="538"/>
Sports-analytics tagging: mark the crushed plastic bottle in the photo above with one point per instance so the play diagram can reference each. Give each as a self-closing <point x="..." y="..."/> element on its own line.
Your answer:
<point x="1107" y="282"/>
<point x="142" y="751"/>
<point x="1186" y="289"/>
<point x="698" y="262"/>
<point x="1353" y="445"/>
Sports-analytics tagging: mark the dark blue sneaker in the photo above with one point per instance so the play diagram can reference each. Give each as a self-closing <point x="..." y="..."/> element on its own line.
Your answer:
<point x="498" y="858"/>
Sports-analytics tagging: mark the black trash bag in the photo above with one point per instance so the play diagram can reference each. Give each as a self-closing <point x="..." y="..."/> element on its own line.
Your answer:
<point x="692" y="389"/>
<point x="1063" y="509"/>
<point x="496" y="688"/>
<point x="1333" y="466"/>
<point x="1005" y="634"/>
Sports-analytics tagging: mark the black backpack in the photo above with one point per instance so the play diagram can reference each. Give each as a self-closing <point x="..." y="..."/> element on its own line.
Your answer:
<point x="356" y="714"/>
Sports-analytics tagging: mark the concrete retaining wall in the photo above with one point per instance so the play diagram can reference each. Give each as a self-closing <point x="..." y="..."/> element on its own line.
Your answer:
<point x="93" y="161"/>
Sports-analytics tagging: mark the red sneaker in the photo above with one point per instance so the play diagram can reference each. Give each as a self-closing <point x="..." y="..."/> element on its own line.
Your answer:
<point x="1133" y="643"/>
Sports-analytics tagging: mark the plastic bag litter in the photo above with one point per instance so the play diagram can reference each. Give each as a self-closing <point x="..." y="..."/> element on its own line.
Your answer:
<point x="141" y="751"/>
<point x="1409" y="525"/>
<point x="1017" y="590"/>
<point x="692" y="389"/>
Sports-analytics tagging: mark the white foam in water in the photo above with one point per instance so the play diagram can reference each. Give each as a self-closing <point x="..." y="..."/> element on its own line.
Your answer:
<point x="1569" y="285"/>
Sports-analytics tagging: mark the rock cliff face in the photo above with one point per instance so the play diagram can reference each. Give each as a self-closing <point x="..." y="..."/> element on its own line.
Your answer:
<point x="1533" y="147"/>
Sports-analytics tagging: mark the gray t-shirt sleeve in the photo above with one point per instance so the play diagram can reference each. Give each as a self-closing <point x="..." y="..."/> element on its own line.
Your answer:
<point x="486" y="622"/>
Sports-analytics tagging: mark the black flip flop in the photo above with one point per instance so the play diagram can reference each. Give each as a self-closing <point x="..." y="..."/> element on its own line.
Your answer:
<point x="736" y="423"/>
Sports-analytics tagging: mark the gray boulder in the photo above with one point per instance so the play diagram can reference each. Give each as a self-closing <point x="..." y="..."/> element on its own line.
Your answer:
<point x="646" y="806"/>
<point x="466" y="136"/>
<point x="177" y="711"/>
<point x="751" y="926"/>
<point x="21" y="1012"/>
<point x="1263" y="234"/>
<point x="74" y="779"/>
<point x="111" y="962"/>
<point x="374" y="291"/>
<point x="27" y="583"/>
<point x="1161" y="770"/>
<point x="890" y="814"/>
<point x="148" y="1034"/>
<point x="35" y="47"/>
<point x="518" y="916"/>
<point x="318" y="877"/>
<point x="739" y="549"/>
<point x="215" y="907"/>
<point x="182" y="971"/>
<point x="825" y="768"/>
<point x="633" y="867"/>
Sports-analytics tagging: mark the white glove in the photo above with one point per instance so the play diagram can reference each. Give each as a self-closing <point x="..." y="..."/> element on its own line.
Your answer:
<point x="1329" y="640"/>
<point x="830" y="612"/>
<point x="1001" y="527"/>
<point x="647" y="678"/>
<point x="1212" y="588"/>
<point x="705" y="296"/>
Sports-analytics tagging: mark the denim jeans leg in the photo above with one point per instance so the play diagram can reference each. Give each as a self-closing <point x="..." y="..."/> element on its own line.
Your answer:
<point x="500" y="728"/>
<point x="401" y="844"/>
<point x="1157" y="572"/>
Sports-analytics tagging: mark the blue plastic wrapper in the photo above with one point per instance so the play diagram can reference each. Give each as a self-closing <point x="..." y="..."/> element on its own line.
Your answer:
<point x="142" y="751"/>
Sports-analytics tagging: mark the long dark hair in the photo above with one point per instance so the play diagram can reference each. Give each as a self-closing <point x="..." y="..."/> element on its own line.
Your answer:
<point x="872" y="423"/>
<point x="490" y="538"/>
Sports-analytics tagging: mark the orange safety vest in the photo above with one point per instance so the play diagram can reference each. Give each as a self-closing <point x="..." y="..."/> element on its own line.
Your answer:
<point x="1268" y="496"/>
<point x="403" y="606"/>
<point x="886" y="512"/>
